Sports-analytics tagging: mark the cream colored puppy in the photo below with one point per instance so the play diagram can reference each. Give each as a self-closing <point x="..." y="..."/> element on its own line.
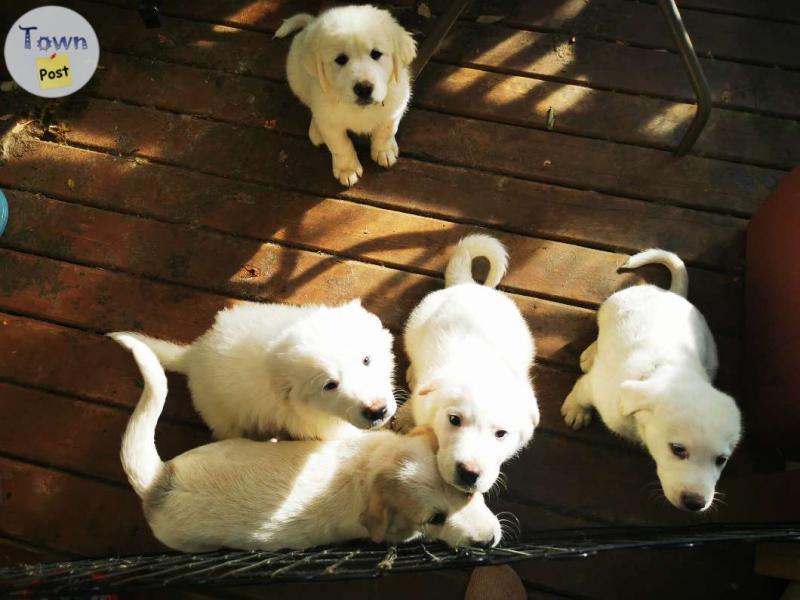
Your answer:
<point x="349" y="65"/>
<point x="471" y="352"/>
<point x="309" y="372"/>
<point x="649" y="376"/>
<point x="267" y="496"/>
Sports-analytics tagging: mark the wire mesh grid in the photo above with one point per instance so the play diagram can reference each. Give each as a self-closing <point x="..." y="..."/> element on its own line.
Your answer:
<point x="354" y="561"/>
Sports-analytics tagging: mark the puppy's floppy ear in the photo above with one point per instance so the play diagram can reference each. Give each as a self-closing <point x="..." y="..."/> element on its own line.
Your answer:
<point x="634" y="396"/>
<point x="428" y="432"/>
<point x="405" y="50"/>
<point x="313" y="61"/>
<point x="377" y="517"/>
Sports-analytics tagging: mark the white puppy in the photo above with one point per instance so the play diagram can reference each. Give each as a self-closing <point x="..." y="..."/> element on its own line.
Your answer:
<point x="267" y="496"/>
<point x="309" y="372"/>
<point x="349" y="65"/>
<point x="649" y="376"/>
<point x="471" y="352"/>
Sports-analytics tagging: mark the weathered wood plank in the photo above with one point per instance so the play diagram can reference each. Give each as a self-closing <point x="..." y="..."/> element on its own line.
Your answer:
<point x="77" y="435"/>
<point x="174" y="250"/>
<point x="554" y="269"/>
<point x="97" y="299"/>
<point x="541" y="210"/>
<point x="778" y="10"/>
<point x="610" y="66"/>
<point x="49" y="356"/>
<point x="718" y="35"/>
<point x="13" y="553"/>
<point x="509" y="99"/>
<point x="641" y="120"/>
<point x="505" y="149"/>
<point x="69" y="513"/>
<point x="690" y="573"/>
<point x="601" y="64"/>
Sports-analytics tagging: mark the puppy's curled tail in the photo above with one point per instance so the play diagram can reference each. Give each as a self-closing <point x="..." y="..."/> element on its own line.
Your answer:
<point x="139" y="456"/>
<point x="459" y="269"/>
<point x="680" y="276"/>
<point x="170" y="355"/>
<point x="292" y="24"/>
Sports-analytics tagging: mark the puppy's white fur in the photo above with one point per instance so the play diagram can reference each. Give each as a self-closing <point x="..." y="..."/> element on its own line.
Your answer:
<point x="471" y="352"/>
<point x="262" y="370"/>
<point x="649" y="376"/>
<point x="328" y="87"/>
<point x="267" y="496"/>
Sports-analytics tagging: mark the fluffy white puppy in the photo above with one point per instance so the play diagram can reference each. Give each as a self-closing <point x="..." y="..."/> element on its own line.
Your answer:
<point x="267" y="496"/>
<point x="649" y="376"/>
<point x="309" y="372"/>
<point x="471" y="352"/>
<point x="349" y="65"/>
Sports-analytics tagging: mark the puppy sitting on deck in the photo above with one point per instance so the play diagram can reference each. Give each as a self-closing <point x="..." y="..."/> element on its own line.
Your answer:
<point x="309" y="372"/>
<point x="471" y="352"/>
<point x="649" y="376"/>
<point x="349" y="65"/>
<point x="267" y="496"/>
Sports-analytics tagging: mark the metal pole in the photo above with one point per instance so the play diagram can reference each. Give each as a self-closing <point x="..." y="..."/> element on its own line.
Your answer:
<point x="696" y="76"/>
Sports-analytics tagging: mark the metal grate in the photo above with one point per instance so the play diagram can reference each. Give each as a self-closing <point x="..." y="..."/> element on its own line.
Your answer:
<point x="354" y="561"/>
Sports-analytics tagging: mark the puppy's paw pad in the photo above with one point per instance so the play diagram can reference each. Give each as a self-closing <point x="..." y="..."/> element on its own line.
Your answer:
<point x="386" y="156"/>
<point x="348" y="175"/>
<point x="576" y="416"/>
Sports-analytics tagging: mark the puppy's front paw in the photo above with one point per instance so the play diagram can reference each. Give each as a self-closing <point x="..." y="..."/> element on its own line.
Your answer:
<point x="575" y="415"/>
<point x="386" y="155"/>
<point x="347" y="171"/>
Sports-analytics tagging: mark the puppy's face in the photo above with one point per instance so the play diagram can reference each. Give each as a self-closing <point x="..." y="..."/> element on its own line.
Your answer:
<point x="479" y="424"/>
<point x="356" y="52"/>
<point x="690" y="431"/>
<point x="409" y="498"/>
<point x="342" y="364"/>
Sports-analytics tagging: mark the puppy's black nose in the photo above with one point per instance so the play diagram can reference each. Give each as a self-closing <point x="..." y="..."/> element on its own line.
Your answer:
<point x="466" y="474"/>
<point x="484" y="543"/>
<point x="363" y="90"/>
<point x="375" y="414"/>
<point x="693" y="502"/>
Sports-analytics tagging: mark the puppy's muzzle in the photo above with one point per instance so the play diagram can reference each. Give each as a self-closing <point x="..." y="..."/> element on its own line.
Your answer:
<point x="467" y="475"/>
<point x="488" y="543"/>
<point x="363" y="91"/>
<point x="693" y="502"/>
<point x="375" y="412"/>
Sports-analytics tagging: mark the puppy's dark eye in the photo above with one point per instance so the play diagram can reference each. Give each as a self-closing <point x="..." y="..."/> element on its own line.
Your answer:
<point x="500" y="434"/>
<point x="331" y="385"/>
<point x="366" y="361"/>
<point x="438" y="518"/>
<point x="721" y="460"/>
<point x="680" y="451"/>
<point x="342" y="59"/>
<point x="455" y="420"/>
<point x="376" y="54"/>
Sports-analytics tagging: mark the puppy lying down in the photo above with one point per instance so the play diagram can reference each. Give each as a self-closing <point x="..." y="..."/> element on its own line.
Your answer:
<point x="308" y="372"/>
<point x="471" y="352"/>
<point x="349" y="65"/>
<point x="267" y="496"/>
<point x="649" y="376"/>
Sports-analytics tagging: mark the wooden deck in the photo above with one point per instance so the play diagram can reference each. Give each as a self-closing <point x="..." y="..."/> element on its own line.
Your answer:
<point x="181" y="180"/>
